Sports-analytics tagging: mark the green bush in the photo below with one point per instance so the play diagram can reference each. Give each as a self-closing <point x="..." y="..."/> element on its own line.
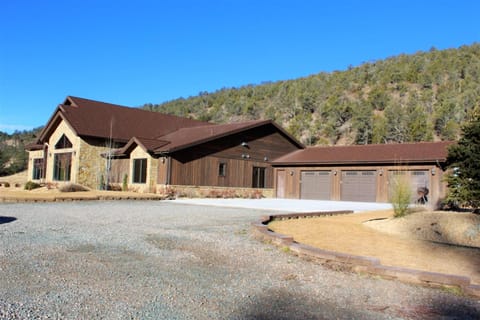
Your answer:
<point x="30" y="185"/>
<point x="125" y="183"/>
<point x="401" y="197"/>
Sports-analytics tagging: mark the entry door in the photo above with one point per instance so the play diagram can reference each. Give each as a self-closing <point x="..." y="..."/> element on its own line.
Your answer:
<point x="316" y="185"/>
<point x="281" y="177"/>
<point x="359" y="186"/>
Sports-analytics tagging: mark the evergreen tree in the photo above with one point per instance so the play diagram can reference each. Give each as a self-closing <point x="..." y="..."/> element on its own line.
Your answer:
<point x="464" y="161"/>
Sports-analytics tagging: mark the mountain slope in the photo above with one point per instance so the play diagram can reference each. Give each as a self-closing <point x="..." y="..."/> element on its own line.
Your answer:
<point x="420" y="97"/>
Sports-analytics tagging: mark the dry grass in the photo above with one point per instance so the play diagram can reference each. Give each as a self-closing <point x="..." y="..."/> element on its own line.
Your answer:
<point x="457" y="228"/>
<point x="349" y="234"/>
<point x="18" y="179"/>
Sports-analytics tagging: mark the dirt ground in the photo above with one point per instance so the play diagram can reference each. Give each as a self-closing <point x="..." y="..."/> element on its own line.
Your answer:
<point x="399" y="243"/>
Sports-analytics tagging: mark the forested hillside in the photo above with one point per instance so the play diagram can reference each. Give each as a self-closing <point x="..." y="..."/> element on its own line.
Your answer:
<point x="13" y="157"/>
<point x="421" y="97"/>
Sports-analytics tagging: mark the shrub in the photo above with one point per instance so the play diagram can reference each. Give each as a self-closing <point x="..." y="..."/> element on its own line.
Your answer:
<point x="71" y="187"/>
<point x="51" y="185"/>
<point x="401" y="195"/>
<point x="125" y="183"/>
<point x="114" y="187"/>
<point x="256" y="194"/>
<point x="168" y="192"/>
<point x="30" y="185"/>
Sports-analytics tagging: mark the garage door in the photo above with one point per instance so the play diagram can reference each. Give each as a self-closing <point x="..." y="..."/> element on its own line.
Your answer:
<point x="359" y="186"/>
<point x="315" y="185"/>
<point x="419" y="181"/>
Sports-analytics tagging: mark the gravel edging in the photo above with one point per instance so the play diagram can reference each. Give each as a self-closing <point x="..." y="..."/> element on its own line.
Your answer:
<point x="70" y="197"/>
<point x="356" y="263"/>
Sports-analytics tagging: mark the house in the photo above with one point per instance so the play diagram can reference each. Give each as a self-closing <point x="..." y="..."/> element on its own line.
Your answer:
<point x="363" y="173"/>
<point x="95" y="144"/>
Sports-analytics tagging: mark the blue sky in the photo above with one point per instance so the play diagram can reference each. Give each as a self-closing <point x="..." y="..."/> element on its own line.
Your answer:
<point x="136" y="52"/>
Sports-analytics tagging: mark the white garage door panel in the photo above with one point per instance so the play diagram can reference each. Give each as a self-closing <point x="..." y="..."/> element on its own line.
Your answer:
<point x="359" y="186"/>
<point x="316" y="185"/>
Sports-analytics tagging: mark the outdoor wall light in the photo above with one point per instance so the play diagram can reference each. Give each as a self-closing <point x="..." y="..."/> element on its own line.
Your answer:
<point x="244" y="144"/>
<point x="433" y="171"/>
<point x="265" y="158"/>
<point x="334" y="172"/>
<point x="380" y="173"/>
<point x="292" y="172"/>
<point x="163" y="159"/>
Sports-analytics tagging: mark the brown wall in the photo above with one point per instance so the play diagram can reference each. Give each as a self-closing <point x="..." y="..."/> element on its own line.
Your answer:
<point x="198" y="165"/>
<point x="204" y="172"/>
<point x="120" y="168"/>
<point x="292" y="183"/>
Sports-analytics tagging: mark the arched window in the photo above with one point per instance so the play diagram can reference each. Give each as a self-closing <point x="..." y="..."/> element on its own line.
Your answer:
<point x="63" y="143"/>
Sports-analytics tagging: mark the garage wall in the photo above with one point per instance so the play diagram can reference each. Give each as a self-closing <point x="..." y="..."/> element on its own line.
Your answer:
<point x="293" y="182"/>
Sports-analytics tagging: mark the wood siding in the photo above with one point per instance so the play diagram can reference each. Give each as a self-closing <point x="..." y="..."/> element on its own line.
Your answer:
<point x="199" y="165"/>
<point x="120" y="168"/>
<point x="204" y="172"/>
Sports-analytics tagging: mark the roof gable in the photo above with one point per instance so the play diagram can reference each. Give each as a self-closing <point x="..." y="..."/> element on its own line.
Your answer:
<point x="365" y="154"/>
<point x="188" y="137"/>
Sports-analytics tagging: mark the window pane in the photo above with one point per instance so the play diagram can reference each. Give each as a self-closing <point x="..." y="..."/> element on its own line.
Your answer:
<point x="63" y="143"/>
<point x="38" y="172"/>
<point x="139" y="170"/>
<point x="258" y="179"/>
<point x="62" y="166"/>
<point x="222" y="169"/>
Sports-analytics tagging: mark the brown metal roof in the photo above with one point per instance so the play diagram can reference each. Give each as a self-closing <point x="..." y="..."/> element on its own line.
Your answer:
<point x="187" y="137"/>
<point x="100" y="119"/>
<point x="155" y="132"/>
<point x="147" y="144"/>
<point x="364" y="154"/>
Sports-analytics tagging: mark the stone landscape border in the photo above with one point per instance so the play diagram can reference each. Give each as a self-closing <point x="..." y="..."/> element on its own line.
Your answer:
<point x="355" y="263"/>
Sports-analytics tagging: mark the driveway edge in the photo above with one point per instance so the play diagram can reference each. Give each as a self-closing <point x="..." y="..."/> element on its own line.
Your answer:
<point x="359" y="264"/>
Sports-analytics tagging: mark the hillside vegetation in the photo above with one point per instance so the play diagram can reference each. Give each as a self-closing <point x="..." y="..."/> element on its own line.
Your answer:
<point x="13" y="157"/>
<point x="420" y="97"/>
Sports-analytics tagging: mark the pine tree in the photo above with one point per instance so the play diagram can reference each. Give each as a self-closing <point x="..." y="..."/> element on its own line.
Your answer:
<point x="464" y="161"/>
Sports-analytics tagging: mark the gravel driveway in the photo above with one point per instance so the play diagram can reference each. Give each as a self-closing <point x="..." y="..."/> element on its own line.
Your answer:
<point x="164" y="260"/>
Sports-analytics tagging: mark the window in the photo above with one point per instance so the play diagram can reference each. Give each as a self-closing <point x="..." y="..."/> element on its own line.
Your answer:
<point x="38" y="172"/>
<point x="258" y="177"/>
<point x="63" y="143"/>
<point x="222" y="169"/>
<point x="62" y="166"/>
<point x="139" y="171"/>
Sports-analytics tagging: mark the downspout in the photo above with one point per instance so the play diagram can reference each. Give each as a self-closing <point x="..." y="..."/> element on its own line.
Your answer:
<point x="169" y="169"/>
<point x="45" y="159"/>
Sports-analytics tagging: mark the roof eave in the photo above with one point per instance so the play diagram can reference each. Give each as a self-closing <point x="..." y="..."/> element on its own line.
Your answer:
<point x="337" y="163"/>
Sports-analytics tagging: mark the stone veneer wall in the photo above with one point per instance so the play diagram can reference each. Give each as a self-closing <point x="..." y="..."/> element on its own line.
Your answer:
<point x="91" y="165"/>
